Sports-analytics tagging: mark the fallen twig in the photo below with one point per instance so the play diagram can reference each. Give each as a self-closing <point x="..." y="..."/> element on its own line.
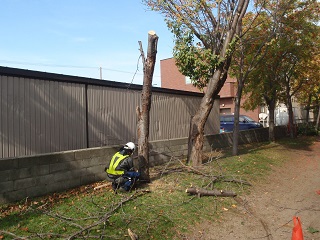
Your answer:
<point x="203" y="192"/>
<point x="13" y="235"/>
<point x="101" y="186"/>
<point x="237" y="181"/>
<point x="132" y="235"/>
<point x="107" y="215"/>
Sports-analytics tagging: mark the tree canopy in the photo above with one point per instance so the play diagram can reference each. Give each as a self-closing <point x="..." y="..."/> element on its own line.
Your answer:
<point x="291" y="26"/>
<point x="205" y="32"/>
<point x="200" y="29"/>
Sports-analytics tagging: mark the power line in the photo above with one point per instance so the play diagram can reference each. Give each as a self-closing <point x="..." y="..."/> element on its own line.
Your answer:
<point x="70" y="66"/>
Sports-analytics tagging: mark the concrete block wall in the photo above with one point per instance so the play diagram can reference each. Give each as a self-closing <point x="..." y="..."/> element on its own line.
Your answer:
<point x="38" y="175"/>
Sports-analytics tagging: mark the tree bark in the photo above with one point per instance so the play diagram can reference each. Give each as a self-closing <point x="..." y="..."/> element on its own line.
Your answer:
<point x="318" y="118"/>
<point x="203" y="192"/>
<point x="143" y="114"/>
<point x="237" y="100"/>
<point x="271" y="106"/>
<point x="291" y="120"/>
<point x="308" y="108"/>
<point x="236" y="127"/>
<point x="271" y="103"/>
<point x="290" y="109"/>
<point x="195" y="142"/>
<point x="213" y="88"/>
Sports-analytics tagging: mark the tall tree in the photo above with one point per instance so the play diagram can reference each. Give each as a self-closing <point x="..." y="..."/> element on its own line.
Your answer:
<point x="205" y="32"/>
<point x="144" y="113"/>
<point x="249" y="51"/>
<point x="298" y="41"/>
<point x="309" y="93"/>
<point x="290" y="23"/>
<point x="263" y="87"/>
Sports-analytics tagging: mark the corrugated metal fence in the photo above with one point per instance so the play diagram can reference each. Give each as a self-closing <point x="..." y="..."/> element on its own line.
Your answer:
<point x="45" y="112"/>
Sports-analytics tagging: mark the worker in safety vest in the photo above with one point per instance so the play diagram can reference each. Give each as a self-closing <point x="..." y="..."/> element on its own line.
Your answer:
<point x="121" y="171"/>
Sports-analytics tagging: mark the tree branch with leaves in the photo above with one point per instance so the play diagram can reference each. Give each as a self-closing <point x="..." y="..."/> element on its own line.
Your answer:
<point x="204" y="33"/>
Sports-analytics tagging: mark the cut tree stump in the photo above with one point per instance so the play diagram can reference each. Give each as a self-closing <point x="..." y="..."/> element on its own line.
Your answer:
<point x="215" y="192"/>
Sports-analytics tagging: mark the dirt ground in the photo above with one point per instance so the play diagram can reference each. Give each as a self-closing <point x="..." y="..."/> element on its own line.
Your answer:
<point x="292" y="190"/>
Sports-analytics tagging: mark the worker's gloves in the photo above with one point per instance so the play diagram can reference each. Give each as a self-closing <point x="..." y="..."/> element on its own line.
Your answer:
<point x="132" y="174"/>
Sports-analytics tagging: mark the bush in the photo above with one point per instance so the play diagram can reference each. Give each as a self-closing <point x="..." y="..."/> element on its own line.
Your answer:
<point x="307" y="129"/>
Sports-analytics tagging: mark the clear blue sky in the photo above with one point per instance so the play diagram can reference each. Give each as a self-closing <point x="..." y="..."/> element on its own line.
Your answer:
<point x="77" y="37"/>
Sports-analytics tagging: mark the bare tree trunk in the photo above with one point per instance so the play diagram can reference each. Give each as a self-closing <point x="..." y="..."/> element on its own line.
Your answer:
<point x="291" y="122"/>
<point x="144" y="113"/>
<point x="271" y="102"/>
<point x="318" y="118"/>
<point x="290" y="110"/>
<point x="196" y="136"/>
<point x="241" y="78"/>
<point x="308" y="108"/>
<point x="272" y="106"/>
<point x="236" y="127"/>
<point x="237" y="102"/>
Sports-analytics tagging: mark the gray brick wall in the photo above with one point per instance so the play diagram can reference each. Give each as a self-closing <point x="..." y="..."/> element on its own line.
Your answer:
<point x="38" y="175"/>
<point x="47" y="173"/>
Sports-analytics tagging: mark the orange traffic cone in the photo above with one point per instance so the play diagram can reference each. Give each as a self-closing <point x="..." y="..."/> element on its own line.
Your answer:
<point x="297" y="229"/>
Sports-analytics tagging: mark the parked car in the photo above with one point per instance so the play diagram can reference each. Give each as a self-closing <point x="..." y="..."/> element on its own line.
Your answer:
<point x="227" y="122"/>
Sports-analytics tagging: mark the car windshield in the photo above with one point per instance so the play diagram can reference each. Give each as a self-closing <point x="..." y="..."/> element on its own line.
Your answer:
<point x="248" y="119"/>
<point x="226" y="119"/>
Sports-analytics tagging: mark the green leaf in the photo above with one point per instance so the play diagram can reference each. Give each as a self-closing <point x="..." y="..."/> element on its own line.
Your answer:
<point x="312" y="230"/>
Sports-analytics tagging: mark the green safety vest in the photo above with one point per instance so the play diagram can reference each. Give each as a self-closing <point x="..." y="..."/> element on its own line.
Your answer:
<point x="115" y="161"/>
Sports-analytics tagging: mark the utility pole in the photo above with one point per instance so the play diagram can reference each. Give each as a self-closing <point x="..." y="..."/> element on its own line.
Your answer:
<point x="100" y="73"/>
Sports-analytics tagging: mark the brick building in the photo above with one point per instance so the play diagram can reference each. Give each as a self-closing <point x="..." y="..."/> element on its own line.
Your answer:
<point x="171" y="78"/>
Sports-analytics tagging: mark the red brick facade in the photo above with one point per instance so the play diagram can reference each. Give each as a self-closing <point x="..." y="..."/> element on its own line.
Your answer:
<point x="171" y="78"/>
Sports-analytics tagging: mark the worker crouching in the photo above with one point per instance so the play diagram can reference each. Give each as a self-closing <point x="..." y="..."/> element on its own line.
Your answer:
<point x="121" y="170"/>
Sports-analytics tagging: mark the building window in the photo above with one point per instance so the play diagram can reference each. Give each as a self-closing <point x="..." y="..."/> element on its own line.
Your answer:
<point x="188" y="80"/>
<point x="225" y="110"/>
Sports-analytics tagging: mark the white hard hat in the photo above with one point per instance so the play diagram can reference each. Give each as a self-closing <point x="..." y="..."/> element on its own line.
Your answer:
<point x="130" y="145"/>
